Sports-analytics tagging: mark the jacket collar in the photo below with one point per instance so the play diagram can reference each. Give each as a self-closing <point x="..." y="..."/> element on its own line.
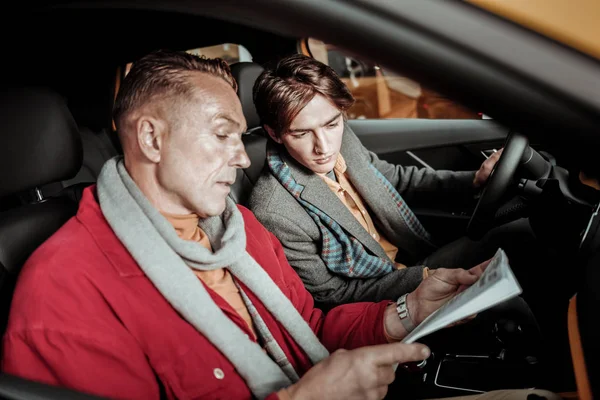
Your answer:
<point x="321" y="196"/>
<point x="90" y="215"/>
<point x="380" y="200"/>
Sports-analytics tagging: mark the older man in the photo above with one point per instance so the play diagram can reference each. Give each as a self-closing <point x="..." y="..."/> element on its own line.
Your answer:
<point x="161" y="284"/>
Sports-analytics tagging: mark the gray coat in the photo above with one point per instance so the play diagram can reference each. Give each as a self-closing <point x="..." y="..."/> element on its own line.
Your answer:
<point x="281" y="213"/>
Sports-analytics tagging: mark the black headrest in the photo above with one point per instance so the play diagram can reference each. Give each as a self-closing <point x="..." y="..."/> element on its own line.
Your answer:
<point x="39" y="140"/>
<point x="245" y="73"/>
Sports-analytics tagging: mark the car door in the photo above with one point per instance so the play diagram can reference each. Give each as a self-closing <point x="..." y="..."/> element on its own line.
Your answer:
<point x="459" y="145"/>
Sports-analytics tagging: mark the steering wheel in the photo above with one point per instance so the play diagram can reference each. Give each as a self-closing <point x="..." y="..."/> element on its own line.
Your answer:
<point x="497" y="184"/>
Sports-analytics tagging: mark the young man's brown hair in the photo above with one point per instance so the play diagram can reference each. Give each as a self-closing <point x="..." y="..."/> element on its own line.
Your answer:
<point x="281" y="92"/>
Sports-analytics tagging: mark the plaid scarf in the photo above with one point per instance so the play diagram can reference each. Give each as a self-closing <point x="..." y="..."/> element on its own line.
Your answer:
<point x="343" y="254"/>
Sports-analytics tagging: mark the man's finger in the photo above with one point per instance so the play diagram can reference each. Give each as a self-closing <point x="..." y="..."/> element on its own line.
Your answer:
<point x="382" y="391"/>
<point x="457" y="277"/>
<point x="393" y="353"/>
<point x="385" y="374"/>
<point x="489" y="163"/>
<point x="497" y="154"/>
<point x="464" y="277"/>
<point x="493" y="159"/>
<point x="480" y="268"/>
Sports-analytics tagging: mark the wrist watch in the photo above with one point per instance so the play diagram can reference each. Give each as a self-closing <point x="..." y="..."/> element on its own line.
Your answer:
<point x="403" y="314"/>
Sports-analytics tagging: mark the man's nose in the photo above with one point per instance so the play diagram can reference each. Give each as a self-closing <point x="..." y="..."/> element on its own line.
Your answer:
<point x="321" y="144"/>
<point x="240" y="157"/>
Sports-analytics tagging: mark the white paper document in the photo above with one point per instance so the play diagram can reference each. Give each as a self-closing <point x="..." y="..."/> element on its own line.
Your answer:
<point x="495" y="285"/>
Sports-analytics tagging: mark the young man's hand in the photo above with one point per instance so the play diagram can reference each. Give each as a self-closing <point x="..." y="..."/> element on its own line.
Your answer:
<point x="482" y="175"/>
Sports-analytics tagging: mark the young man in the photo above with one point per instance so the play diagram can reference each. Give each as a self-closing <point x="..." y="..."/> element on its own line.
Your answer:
<point x="160" y="283"/>
<point x="340" y="212"/>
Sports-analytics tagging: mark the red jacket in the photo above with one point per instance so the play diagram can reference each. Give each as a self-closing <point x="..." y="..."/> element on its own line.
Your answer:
<point x="85" y="316"/>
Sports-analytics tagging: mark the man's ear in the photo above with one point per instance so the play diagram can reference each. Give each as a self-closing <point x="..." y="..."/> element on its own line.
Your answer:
<point x="151" y="134"/>
<point x="272" y="134"/>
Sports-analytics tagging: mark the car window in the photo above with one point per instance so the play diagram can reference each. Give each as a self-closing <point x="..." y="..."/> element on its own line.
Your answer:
<point x="381" y="93"/>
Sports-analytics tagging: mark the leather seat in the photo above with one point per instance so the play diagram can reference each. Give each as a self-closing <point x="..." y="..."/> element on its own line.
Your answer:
<point x="97" y="149"/>
<point x="39" y="144"/>
<point x="255" y="139"/>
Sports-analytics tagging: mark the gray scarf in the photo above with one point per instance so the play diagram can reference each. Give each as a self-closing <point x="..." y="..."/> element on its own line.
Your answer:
<point x="166" y="260"/>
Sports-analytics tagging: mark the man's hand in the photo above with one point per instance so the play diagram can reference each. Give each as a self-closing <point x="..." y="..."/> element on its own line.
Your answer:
<point x="363" y="373"/>
<point x="440" y="286"/>
<point x="486" y="168"/>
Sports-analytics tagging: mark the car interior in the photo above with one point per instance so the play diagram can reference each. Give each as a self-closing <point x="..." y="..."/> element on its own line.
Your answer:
<point x="57" y="134"/>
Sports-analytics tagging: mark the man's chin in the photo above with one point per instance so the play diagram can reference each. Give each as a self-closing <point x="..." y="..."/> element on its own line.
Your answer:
<point x="323" y="168"/>
<point x="213" y="211"/>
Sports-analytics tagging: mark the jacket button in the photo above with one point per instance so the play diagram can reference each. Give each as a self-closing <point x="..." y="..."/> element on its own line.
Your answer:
<point x="219" y="374"/>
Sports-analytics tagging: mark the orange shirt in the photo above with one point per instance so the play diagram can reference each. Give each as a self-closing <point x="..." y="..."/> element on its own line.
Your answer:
<point x="346" y="192"/>
<point x="219" y="280"/>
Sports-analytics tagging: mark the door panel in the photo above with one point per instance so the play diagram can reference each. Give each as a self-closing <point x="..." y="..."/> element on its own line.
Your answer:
<point x="384" y="136"/>
<point x="459" y="145"/>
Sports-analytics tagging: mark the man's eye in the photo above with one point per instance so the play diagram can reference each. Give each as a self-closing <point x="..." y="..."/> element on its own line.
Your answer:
<point x="299" y="134"/>
<point x="333" y="125"/>
<point x="222" y="137"/>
